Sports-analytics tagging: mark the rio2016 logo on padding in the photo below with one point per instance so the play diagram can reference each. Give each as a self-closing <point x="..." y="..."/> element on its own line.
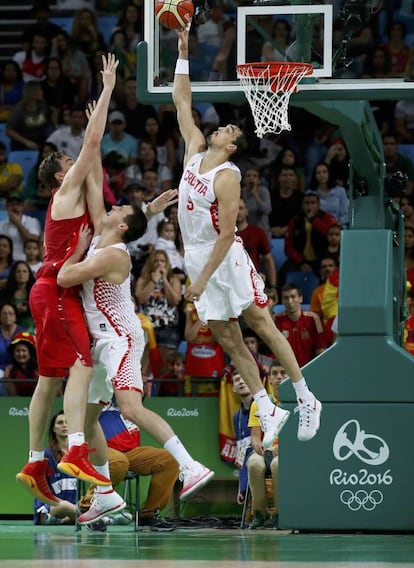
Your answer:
<point x="352" y="441"/>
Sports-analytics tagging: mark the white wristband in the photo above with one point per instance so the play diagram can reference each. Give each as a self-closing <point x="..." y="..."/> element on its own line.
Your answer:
<point x="182" y="67"/>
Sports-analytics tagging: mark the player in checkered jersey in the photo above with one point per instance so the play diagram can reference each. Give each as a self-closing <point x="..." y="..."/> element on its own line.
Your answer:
<point x="117" y="335"/>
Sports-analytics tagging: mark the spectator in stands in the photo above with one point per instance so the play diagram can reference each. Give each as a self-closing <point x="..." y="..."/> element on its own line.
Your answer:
<point x="18" y="226"/>
<point x="175" y="371"/>
<point x="256" y="244"/>
<point x="251" y="340"/>
<point x="35" y="194"/>
<point x="166" y="241"/>
<point x="404" y="121"/>
<point x="409" y="324"/>
<point x="118" y="43"/>
<point x="158" y="292"/>
<point x="32" y="61"/>
<point x="396" y="48"/>
<point x="6" y="258"/>
<point x="8" y="331"/>
<point x="42" y="25"/>
<point x="281" y="36"/>
<point x="33" y="254"/>
<point x="407" y="209"/>
<point x="11" y="176"/>
<point x="58" y="91"/>
<point x="135" y="113"/>
<point x="286" y="202"/>
<point x="303" y="329"/>
<point x="69" y="139"/>
<point x="263" y="462"/>
<point x="11" y="88"/>
<point x="289" y="157"/>
<point x="327" y="266"/>
<point x="204" y="362"/>
<point x="395" y="162"/>
<point x="306" y="236"/>
<point x="85" y="33"/>
<point x="257" y="199"/>
<point x="332" y="198"/>
<point x="131" y="22"/>
<point x="337" y="158"/>
<point x="210" y="35"/>
<point x="333" y="237"/>
<point x="119" y="140"/>
<point x="74" y="63"/>
<point x="17" y="291"/>
<point x="147" y="161"/>
<point x="114" y="168"/>
<point x="30" y="121"/>
<point x="409" y="254"/>
<point x="23" y="366"/>
<point x="377" y="64"/>
<point x="162" y="141"/>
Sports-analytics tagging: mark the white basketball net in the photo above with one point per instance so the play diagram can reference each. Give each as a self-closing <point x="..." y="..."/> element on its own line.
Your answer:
<point x="268" y="88"/>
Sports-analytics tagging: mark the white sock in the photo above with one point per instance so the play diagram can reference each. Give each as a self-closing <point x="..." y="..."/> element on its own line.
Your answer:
<point x="264" y="403"/>
<point x="35" y="456"/>
<point x="76" y="439"/>
<point x="178" y="451"/>
<point x="103" y="470"/>
<point x="303" y="394"/>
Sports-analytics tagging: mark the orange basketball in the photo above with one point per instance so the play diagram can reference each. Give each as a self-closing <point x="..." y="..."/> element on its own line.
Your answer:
<point x="171" y="13"/>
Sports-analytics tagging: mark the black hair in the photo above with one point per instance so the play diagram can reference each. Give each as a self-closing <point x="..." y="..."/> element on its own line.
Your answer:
<point x="53" y="441"/>
<point x="10" y="241"/>
<point x="137" y="225"/>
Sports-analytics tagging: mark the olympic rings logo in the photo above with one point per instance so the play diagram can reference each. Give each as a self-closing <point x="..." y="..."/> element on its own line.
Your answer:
<point x="361" y="499"/>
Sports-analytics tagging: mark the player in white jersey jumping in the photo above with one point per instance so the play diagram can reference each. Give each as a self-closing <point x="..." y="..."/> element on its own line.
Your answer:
<point x="225" y="283"/>
<point x="118" y="341"/>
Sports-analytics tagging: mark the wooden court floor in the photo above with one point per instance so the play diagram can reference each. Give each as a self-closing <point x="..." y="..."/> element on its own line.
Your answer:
<point x="23" y="545"/>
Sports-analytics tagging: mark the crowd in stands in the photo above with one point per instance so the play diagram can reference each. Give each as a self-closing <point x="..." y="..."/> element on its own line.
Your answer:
<point x="295" y="186"/>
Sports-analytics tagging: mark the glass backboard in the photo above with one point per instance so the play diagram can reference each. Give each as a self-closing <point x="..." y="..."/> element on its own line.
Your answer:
<point x="341" y="39"/>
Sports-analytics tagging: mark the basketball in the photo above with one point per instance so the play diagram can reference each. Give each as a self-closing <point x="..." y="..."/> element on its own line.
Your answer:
<point x="171" y="13"/>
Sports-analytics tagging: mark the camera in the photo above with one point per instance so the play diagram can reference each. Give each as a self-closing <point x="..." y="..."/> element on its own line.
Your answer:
<point x="395" y="185"/>
<point x="202" y="11"/>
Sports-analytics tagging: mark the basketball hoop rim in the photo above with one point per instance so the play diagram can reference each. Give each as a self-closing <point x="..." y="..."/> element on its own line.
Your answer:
<point x="274" y="69"/>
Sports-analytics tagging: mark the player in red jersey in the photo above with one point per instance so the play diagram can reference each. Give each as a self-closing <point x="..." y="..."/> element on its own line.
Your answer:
<point x="61" y="332"/>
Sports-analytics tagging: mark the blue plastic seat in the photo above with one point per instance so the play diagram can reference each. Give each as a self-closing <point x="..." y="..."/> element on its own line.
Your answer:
<point x="106" y="25"/>
<point x="26" y="158"/>
<point x="64" y="22"/>
<point x="406" y="150"/>
<point x="278" y="252"/>
<point x="306" y="281"/>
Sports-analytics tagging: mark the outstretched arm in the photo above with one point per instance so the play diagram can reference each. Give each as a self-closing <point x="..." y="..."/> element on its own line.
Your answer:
<point x="91" y="144"/>
<point x="193" y="137"/>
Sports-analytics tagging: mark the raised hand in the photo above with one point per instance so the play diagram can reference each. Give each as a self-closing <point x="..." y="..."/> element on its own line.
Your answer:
<point x="89" y="109"/>
<point x="109" y="67"/>
<point x="84" y="239"/>
<point x="161" y="202"/>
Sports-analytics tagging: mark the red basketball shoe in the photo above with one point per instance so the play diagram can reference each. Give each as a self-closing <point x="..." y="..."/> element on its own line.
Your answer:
<point x="34" y="477"/>
<point x="76" y="464"/>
